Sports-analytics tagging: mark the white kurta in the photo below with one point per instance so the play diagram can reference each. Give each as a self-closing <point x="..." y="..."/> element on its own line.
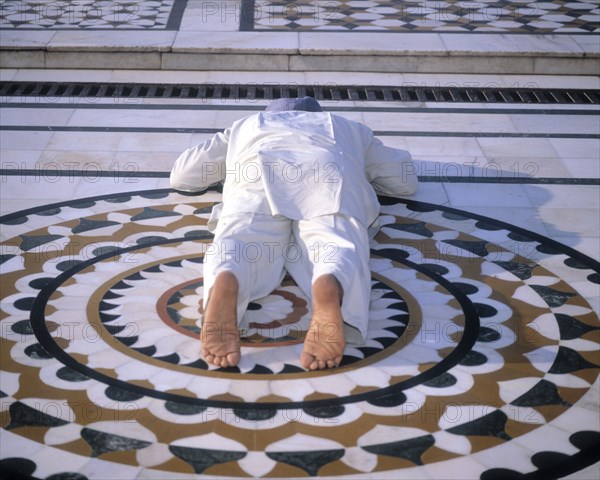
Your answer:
<point x="300" y="166"/>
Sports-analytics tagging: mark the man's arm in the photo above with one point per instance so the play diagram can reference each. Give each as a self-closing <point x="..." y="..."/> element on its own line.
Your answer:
<point x="391" y="170"/>
<point x="202" y="166"/>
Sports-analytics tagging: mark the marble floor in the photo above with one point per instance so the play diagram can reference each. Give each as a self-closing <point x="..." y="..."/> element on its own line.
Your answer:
<point x="482" y="359"/>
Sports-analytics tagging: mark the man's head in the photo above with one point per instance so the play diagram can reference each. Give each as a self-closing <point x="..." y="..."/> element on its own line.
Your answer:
<point x="306" y="104"/>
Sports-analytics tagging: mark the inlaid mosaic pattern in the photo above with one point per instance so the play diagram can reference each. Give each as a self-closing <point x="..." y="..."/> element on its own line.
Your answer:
<point x="92" y="14"/>
<point x="480" y="349"/>
<point x="501" y="16"/>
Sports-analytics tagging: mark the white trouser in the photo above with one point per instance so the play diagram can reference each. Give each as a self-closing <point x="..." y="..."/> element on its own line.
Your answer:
<point x="258" y="248"/>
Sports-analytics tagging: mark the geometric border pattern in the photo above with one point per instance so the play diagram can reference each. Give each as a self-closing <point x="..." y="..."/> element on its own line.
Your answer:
<point x="481" y="348"/>
<point x="92" y="15"/>
<point x="450" y="16"/>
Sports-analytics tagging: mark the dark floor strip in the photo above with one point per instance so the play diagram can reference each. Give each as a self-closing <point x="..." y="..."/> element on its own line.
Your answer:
<point x="380" y="133"/>
<point x="328" y="107"/>
<point x="96" y="173"/>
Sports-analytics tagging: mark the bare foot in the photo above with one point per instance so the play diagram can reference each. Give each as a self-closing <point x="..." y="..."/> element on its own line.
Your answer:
<point x="325" y="342"/>
<point x="220" y="336"/>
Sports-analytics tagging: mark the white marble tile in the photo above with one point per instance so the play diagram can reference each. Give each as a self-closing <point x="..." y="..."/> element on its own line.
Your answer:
<point x="223" y="61"/>
<point x="516" y="147"/>
<point x="20" y="40"/>
<point x="143" y="142"/>
<point x="85" y="141"/>
<point x="241" y="42"/>
<point x="442" y="122"/>
<point x="576" y="147"/>
<point x="487" y="195"/>
<point x="109" y="40"/>
<point x="328" y="43"/>
<point x="441" y="146"/>
<point x="7" y="74"/>
<point x="564" y="196"/>
<point x="511" y="44"/>
<point x="582" y="167"/>
<point x="19" y="159"/>
<point x="550" y="124"/>
<point x="22" y="140"/>
<point x="61" y="75"/>
<point x="35" y="117"/>
<point x="102" y="60"/>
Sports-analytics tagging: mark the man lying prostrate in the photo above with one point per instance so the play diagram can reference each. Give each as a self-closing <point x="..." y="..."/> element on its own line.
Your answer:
<point x="294" y="175"/>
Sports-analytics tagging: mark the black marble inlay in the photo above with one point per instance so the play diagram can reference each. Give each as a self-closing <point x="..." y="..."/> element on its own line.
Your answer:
<point x="435" y="268"/>
<point x="547" y="459"/>
<point x="3" y="394"/>
<point x="574" y="263"/>
<point x="70" y="375"/>
<point x="39" y="283"/>
<point x="203" y="210"/>
<point x="68" y="265"/>
<point x="441" y="381"/>
<point x="477" y="247"/>
<point x="149" y="213"/>
<point x="29" y="242"/>
<point x="200" y="458"/>
<point x="121" y="285"/>
<point x="519" y="237"/>
<point x="310" y="462"/>
<point x="411" y="450"/>
<point x="484" y="310"/>
<point x="594" y="278"/>
<point x="502" y="474"/>
<point x="172" y="358"/>
<point x="253" y="306"/>
<point x="119" y="395"/>
<point x="104" y="306"/>
<point x="287" y="368"/>
<point x="254" y="414"/>
<point x="105" y="317"/>
<point x="22" y="327"/>
<point x="82" y="204"/>
<point x="393" y="399"/>
<point x="554" y="298"/>
<point x="128" y="341"/>
<point x="548" y="250"/>
<point x="466" y="288"/>
<point x="395" y="254"/>
<point x="487" y="334"/>
<point x="37" y="352"/>
<point x="490" y="425"/>
<point x="16" y="466"/>
<point x="571" y="328"/>
<point x="473" y="358"/>
<point x="22" y="415"/>
<point x="67" y="476"/>
<point x="198" y="234"/>
<point x="150" y="239"/>
<point x="85" y="225"/>
<point x="5" y="258"/>
<point x="15" y="221"/>
<point x="585" y="439"/>
<point x="114" y="329"/>
<point x="521" y="270"/>
<point x="487" y="226"/>
<point x="102" y="442"/>
<point x="261" y="369"/>
<point x="331" y="411"/>
<point x="543" y="393"/>
<point x="24" y="304"/>
<point x="184" y="408"/>
<point x="568" y="360"/>
<point x="150" y="350"/>
<point x="415" y="228"/>
<point x="454" y="216"/>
